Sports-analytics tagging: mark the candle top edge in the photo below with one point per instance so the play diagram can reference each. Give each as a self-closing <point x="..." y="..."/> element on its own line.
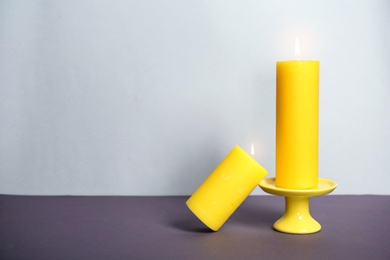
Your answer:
<point x="299" y="61"/>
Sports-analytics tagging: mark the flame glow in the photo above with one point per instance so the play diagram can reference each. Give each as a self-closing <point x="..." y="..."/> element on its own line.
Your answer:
<point x="297" y="49"/>
<point x="252" y="150"/>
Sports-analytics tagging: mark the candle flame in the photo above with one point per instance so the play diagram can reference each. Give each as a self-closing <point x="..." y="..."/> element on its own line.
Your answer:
<point x="252" y="150"/>
<point x="297" y="49"/>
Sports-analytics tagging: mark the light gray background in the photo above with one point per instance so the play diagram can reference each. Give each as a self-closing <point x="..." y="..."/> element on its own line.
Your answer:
<point x="147" y="97"/>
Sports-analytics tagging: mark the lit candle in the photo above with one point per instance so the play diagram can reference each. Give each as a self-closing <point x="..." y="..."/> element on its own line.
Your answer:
<point x="297" y="96"/>
<point x="226" y="188"/>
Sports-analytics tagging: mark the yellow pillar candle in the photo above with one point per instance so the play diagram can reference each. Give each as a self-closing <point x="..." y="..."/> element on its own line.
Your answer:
<point x="297" y="95"/>
<point x="226" y="188"/>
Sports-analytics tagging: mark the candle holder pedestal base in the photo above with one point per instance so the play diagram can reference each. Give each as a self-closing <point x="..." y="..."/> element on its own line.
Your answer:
<point x="297" y="218"/>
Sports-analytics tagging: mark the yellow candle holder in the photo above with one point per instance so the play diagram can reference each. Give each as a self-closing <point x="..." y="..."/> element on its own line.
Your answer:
<point x="297" y="218"/>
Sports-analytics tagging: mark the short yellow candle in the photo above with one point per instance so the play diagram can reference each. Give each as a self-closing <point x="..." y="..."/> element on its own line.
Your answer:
<point x="226" y="188"/>
<point x="297" y="95"/>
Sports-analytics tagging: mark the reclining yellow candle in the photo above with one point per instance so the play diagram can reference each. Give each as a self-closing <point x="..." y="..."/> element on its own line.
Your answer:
<point x="297" y="96"/>
<point x="226" y="188"/>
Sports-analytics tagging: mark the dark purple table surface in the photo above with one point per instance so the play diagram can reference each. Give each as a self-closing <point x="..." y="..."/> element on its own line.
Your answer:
<point x="77" y="227"/>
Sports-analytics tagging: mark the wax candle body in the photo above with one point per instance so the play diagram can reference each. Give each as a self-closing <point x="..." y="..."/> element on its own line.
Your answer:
<point x="226" y="188"/>
<point x="297" y="97"/>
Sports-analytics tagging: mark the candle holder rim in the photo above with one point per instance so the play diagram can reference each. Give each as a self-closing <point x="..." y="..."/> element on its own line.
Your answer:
<point x="324" y="187"/>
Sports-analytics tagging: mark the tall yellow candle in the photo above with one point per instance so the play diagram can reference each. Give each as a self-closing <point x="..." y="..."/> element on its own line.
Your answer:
<point x="226" y="188"/>
<point x="297" y="97"/>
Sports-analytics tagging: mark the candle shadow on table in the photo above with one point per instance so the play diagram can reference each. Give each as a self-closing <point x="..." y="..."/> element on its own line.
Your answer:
<point x="257" y="211"/>
<point x="187" y="221"/>
<point x="191" y="225"/>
